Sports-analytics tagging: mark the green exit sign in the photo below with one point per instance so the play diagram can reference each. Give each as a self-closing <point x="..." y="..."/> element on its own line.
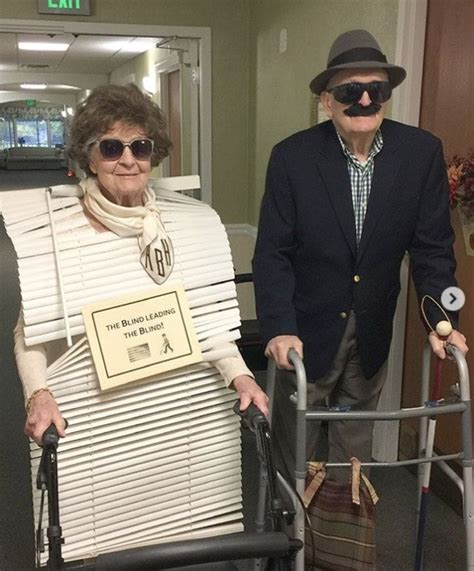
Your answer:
<point x="31" y="102"/>
<point x="70" y="7"/>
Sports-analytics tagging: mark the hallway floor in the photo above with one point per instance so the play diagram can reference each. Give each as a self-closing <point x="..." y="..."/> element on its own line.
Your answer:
<point x="20" y="180"/>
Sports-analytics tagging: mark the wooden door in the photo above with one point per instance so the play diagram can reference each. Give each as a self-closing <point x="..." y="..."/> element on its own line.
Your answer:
<point x="447" y="110"/>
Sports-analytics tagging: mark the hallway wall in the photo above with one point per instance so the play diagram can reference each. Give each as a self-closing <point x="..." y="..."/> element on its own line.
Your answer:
<point x="228" y="21"/>
<point x="280" y="99"/>
<point x="259" y="95"/>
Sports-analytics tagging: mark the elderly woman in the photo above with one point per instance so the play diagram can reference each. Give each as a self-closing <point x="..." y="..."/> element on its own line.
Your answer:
<point x="117" y="136"/>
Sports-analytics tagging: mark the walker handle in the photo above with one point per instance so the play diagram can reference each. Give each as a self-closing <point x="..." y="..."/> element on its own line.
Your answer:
<point x="50" y="437"/>
<point x="252" y="416"/>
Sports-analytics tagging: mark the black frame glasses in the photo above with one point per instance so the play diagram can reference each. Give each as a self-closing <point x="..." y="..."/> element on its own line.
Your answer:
<point x="350" y="93"/>
<point x="112" y="149"/>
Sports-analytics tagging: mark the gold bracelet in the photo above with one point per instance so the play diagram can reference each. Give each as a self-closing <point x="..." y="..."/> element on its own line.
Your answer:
<point x="35" y="394"/>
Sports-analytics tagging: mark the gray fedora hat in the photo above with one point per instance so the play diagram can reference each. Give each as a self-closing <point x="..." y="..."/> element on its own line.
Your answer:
<point x="356" y="49"/>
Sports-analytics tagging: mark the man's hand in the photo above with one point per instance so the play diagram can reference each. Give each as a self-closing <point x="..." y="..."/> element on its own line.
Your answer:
<point x="43" y="412"/>
<point x="250" y="392"/>
<point x="438" y="344"/>
<point x="278" y="347"/>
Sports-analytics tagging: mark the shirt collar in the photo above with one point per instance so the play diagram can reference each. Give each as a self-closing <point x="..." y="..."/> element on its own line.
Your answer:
<point x="377" y="145"/>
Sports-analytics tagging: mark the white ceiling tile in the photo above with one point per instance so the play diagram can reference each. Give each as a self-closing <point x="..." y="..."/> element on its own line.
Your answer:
<point x="86" y="54"/>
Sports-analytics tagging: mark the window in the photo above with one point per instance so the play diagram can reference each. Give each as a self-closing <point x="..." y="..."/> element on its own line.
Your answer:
<point x="6" y="133"/>
<point x="57" y="133"/>
<point x="17" y="132"/>
<point x="32" y="132"/>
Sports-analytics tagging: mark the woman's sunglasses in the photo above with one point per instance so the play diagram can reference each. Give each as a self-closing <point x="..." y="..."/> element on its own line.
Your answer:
<point x="350" y="93"/>
<point x="112" y="149"/>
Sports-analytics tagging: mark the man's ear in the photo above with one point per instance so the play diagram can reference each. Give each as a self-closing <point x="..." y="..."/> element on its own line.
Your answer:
<point x="327" y="102"/>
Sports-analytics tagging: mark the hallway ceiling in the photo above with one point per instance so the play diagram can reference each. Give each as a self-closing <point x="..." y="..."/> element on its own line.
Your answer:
<point x="86" y="54"/>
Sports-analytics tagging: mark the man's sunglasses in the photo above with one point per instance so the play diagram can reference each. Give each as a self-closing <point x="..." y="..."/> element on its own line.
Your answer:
<point x="350" y="93"/>
<point x="112" y="149"/>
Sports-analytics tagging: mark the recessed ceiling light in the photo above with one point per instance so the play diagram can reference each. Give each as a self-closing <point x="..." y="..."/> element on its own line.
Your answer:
<point x="33" y="85"/>
<point x="42" y="66"/>
<point x="43" y="46"/>
<point x="64" y="86"/>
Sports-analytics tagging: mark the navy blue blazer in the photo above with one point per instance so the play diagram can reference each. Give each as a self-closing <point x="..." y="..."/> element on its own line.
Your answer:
<point x="308" y="270"/>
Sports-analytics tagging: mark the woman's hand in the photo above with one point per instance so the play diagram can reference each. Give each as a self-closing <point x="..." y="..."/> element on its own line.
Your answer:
<point x="43" y="411"/>
<point x="250" y="392"/>
<point x="438" y="344"/>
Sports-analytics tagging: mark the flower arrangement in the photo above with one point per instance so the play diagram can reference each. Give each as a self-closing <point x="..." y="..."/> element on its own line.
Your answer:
<point x="461" y="183"/>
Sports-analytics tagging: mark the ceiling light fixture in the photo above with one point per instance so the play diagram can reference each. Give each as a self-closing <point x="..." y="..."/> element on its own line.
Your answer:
<point x="64" y="86"/>
<point x="43" y="46"/>
<point x="33" y="85"/>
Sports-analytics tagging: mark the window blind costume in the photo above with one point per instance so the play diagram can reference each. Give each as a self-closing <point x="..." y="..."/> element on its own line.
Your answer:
<point x="138" y="460"/>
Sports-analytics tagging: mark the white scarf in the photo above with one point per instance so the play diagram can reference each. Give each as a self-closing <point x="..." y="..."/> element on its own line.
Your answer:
<point x="156" y="249"/>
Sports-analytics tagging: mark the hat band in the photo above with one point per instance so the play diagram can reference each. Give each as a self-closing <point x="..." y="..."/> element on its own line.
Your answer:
<point x="358" y="54"/>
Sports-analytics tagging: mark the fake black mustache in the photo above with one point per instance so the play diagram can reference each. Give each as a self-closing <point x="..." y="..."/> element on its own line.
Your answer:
<point x="358" y="110"/>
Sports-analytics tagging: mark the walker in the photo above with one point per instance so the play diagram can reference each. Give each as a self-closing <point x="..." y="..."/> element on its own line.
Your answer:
<point x="462" y="406"/>
<point x="206" y="554"/>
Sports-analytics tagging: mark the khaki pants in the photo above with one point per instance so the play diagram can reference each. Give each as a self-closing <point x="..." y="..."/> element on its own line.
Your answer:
<point x="343" y="384"/>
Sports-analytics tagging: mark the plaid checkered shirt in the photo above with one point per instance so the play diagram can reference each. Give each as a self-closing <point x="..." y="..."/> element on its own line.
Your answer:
<point x="361" y="180"/>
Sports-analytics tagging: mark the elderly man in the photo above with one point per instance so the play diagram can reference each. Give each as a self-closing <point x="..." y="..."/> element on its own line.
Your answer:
<point x="344" y="201"/>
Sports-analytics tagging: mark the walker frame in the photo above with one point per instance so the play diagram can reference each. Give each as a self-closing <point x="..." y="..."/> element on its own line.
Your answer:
<point x="423" y="412"/>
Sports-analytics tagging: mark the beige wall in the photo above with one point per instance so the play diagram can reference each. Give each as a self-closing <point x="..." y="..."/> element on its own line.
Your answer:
<point x="242" y="244"/>
<point x="259" y="96"/>
<point x="280" y="96"/>
<point x="228" y="20"/>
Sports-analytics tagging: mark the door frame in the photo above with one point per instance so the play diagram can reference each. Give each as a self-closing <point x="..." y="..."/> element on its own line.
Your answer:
<point x="406" y="103"/>
<point x="162" y="69"/>
<point x="203" y="34"/>
<point x="187" y="63"/>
